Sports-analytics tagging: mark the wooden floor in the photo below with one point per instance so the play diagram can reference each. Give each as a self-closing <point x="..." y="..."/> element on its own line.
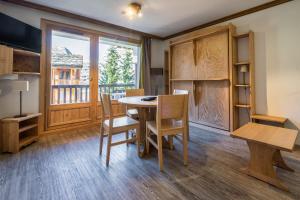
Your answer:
<point x="67" y="166"/>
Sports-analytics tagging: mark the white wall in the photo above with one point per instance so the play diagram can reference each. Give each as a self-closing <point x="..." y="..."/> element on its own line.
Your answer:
<point x="9" y="99"/>
<point x="277" y="60"/>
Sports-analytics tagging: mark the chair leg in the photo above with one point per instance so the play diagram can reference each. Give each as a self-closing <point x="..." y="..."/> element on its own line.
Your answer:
<point x="101" y="139"/>
<point x="108" y="147"/>
<point x="138" y="140"/>
<point x="160" y="155"/>
<point x="185" y="147"/>
<point x="170" y="140"/>
<point x="188" y="130"/>
<point x="147" y="141"/>
<point x="127" y="137"/>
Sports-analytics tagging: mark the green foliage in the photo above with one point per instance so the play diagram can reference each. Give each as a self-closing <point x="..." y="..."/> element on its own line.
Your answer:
<point x="118" y="67"/>
<point x="127" y="67"/>
<point x="110" y="73"/>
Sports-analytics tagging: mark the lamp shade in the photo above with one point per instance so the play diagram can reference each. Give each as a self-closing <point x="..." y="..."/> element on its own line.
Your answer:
<point x="20" y="85"/>
<point x="244" y="69"/>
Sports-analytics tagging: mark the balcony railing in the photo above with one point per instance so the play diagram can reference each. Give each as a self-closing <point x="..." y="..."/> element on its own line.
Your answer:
<point x="62" y="94"/>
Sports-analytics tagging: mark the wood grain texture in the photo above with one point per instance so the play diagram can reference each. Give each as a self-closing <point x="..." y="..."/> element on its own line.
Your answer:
<point x="212" y="57"/>
<point x="67" y="166"/>
<point x="277" y="137"/>
<point x="62" y="116"/>
<point x="213" y="103"/>
<point x="6" y="60"/>
<point x="182" y="58"/>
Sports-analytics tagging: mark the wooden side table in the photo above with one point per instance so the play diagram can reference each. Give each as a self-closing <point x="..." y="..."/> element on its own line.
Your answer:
<point x="19" y="132"/>
<point x="265" y="143"/>
<point x="266" y="118"/>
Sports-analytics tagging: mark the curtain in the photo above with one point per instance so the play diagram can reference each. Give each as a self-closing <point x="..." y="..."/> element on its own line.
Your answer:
<point x="145" y="65"/>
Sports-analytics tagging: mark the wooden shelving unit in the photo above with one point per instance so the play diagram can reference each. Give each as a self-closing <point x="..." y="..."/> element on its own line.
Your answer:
<point x="20" y="62"/>
<point x="19" y="132"/>
<point x="243" y="78"/>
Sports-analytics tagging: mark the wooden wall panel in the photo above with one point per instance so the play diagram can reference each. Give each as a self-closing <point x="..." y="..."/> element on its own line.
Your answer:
<point x="59" y="116"/>
<point x="182" y="59"/>
<point x="212" y="57"/>
<point x="213" y="103"/>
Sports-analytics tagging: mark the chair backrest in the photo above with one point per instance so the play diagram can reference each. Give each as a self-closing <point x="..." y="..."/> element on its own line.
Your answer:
<point x="177" y="91"/>
<point x="171" y="107"/>
<point x="106" y="106"/>
<point x="134" y="92"/>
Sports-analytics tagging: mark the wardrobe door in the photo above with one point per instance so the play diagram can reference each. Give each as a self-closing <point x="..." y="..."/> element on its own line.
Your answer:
<point x="212" y="57"/>
<point x="213" y="103"/>
<point x="182" y="59"/>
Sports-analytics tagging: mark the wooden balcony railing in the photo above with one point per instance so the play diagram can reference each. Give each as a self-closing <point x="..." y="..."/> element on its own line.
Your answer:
<point x="62" y="94"/>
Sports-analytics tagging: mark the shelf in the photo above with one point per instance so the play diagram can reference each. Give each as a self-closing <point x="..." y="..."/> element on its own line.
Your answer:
<point x="243" y="106"/>
<point x="245" y="35"/>
<point x="26" y="53"/>
<point x="27" y="73"/>
<point x="281" y="120"/>
<point x="28" y="140"/>
<point x="215" y="79"/>
<point x="20" y="119"/>
<point x="241" y="85"/>
<point x="242" y="63"/>
<point x="25" y="128"/>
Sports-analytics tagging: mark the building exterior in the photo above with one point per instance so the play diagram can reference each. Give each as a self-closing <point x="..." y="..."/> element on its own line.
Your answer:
<point x="66" y="67"/>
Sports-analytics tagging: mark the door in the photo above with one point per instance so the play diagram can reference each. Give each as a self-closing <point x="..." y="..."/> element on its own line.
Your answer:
<point x="212" y="57"/>
<point x="69" y="78"/>
<point x="212" y="103"/>
<point x="182" y="61"/>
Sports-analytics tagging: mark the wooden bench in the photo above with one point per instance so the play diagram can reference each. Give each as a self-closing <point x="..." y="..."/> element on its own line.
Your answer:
<point x="265" y="143"/>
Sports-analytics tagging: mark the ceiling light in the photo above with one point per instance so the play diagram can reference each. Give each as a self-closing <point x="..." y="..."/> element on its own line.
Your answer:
<point x="133" y="10"/>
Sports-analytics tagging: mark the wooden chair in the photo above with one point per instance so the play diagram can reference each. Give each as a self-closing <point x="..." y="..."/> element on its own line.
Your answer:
<point x="177" y="91"/>
<point x="131" y="111"/>
<point x="171" y="116"/>
<point x="115" y="126"/>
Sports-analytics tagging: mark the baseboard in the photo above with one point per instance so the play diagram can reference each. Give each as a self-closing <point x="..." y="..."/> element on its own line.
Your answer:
<point x="207" y="128"/>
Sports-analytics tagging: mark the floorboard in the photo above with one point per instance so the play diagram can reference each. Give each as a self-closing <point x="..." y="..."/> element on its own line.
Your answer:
<point x="67" y="166"/>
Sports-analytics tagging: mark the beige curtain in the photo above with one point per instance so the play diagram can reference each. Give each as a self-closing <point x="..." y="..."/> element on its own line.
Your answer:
<point x="145" y="65"/>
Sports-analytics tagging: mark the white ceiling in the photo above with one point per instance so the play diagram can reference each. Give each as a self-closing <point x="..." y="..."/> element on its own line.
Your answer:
<point x="160" y="17"/>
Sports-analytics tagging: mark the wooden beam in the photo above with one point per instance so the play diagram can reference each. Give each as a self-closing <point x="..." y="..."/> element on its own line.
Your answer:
<point x="230" y="17"/>
<point x="78" y="17"/>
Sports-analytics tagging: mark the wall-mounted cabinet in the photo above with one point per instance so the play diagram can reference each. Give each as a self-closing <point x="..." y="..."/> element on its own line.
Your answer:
<point x="15" y="61"/>
<point x="6" y="60"/>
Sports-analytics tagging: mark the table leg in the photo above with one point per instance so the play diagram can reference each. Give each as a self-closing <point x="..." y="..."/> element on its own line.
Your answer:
<point x="279" y="162"/>
<point x="261" y="164"/>
<point x="142" y="119"/>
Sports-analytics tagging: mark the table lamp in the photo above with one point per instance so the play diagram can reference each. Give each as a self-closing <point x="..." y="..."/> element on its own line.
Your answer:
<point x="243" y="70"/>
<point x="20" y="86"/>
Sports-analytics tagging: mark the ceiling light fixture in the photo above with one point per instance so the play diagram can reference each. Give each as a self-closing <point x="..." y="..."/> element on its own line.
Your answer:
<point x="133" y="10"/>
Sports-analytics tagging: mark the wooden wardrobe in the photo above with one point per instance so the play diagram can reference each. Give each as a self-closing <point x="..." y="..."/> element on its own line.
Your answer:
<point x="201" y="62"/>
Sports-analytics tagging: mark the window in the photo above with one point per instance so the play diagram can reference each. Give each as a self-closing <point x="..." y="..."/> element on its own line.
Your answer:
<point x="118" y="67"/>
<point x="70" y="52"/>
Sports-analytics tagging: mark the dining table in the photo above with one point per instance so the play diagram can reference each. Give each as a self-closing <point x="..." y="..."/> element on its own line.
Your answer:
<point x="146" y="112"/>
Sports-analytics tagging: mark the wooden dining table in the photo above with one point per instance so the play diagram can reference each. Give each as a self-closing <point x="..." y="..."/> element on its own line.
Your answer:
<point x="146" y="110"/>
